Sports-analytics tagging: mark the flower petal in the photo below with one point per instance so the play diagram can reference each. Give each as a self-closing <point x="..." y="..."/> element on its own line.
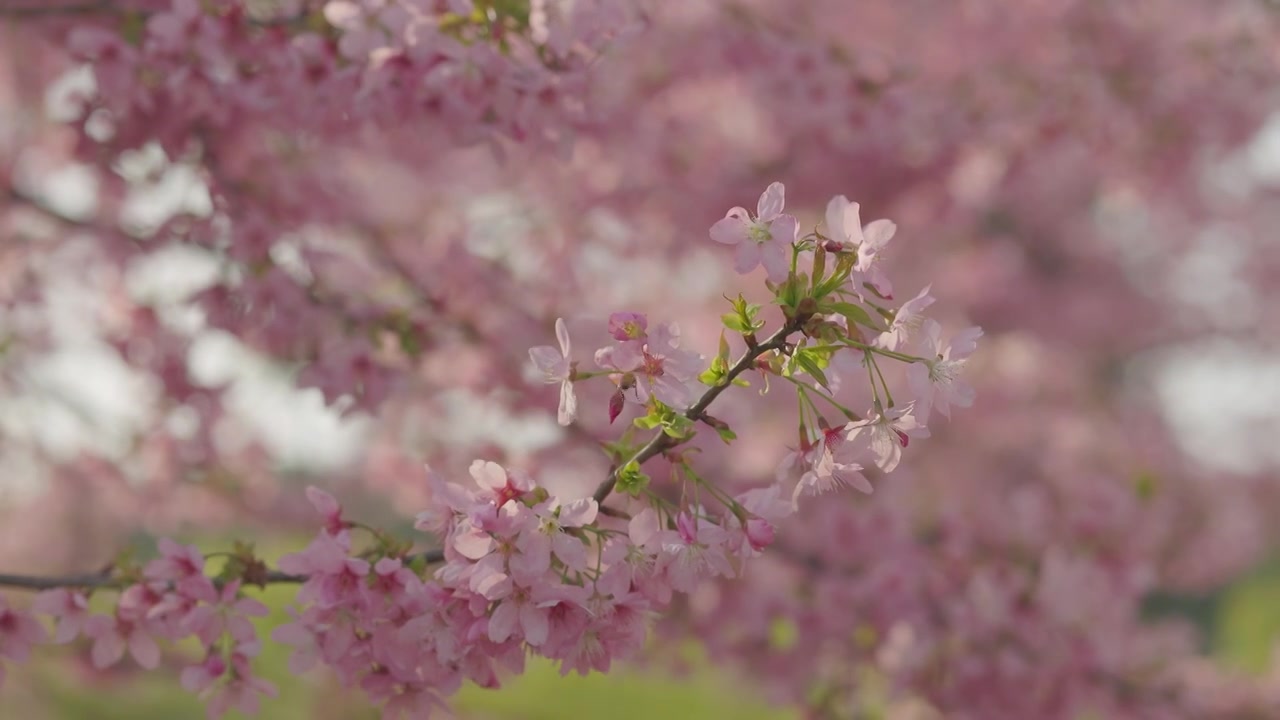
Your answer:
<point x="550" y="362"/>
<point x="729" y="231"/>
<point x="568" y="409"/>
<point x="835" y="218"/>
<point x="775" y="262"/>
<point x="771" y="202"/>
<point x="562" y="334"/>
<point x="748" y="257"/>
<point x="878" y="234"/>
<point x="785" y="229"/>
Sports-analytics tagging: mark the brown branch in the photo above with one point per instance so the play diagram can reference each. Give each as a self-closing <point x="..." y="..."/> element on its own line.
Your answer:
<point x="43" y="8"/>
<point x="663" y="442"/>
<point x="105" y="580"/>
<point x="29" y="582"/>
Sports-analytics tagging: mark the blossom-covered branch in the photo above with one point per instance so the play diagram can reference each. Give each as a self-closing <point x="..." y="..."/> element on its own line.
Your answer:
<point x="522" y="569"/>
<point x="696" y="412"/>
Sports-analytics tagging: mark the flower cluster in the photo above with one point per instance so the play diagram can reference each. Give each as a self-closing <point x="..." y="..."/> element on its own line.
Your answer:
<point x="173" y="600"/>
<point x="329" y="150"/>
<point x="848" y="328"/>
<point x="522" y="570"/>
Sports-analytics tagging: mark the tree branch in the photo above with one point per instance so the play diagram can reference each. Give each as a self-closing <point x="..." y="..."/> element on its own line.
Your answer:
<point x="663" y="441"/>
<point x="43" y="8"/>
<point x="654" y="447"/>
<point x="106" y="580"/>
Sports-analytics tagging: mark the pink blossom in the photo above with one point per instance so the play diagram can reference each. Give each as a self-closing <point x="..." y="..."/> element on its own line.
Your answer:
<point x="69" y="609"/>
<point x="632" y="562"/>
<point x="329" y="509"/>
<point x="449" y="503"/>
<point x="765" y="509"/>
<point x="199" y="678"/>
<point x="936" y="382"/>
<point x="556" y="367"/>
<point x="829" y="463"/>
<point x="182" y="565"/>
<point x="590" y="637"/>
<point x="499" y="484"/>
<point x="19" y="631"/>
<point x="886" y="433"/>
<point x="625" y="326"/>
<point x="514" y="548"/>
<point x="765" y="240"/>
<point x="391" y="577"/>
<point x="113" y="634"/>
<point x="660" y="367"/>
<point x="229" y="614"/>
<point x="333" y="576"/>
<point x="696" y="550"/>
<point x="553" y="519"/>
<point x="906" y="321"/>
<point x="176" y="562"/>
<point x="302" y="638"/>
<point x="240" y="690"/>
<point x="844" y="226"/>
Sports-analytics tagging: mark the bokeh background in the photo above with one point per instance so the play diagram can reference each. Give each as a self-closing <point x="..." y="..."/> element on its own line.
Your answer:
<point x="265" y="246"/>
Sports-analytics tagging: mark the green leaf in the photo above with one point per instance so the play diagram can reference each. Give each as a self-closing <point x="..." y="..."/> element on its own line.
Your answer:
<point x="743" y="318"/>
<point x="855" y="314"/>
<point x="678" y="427"/>
<point x="789" y="293"/>
<point x="648" y="422"/>
<point x="807" y="362"/>
<point x="715" y="374"/>
<point x="838" y="277"/>
<point x="735" y="323"/>
<point x="631" y="480"/>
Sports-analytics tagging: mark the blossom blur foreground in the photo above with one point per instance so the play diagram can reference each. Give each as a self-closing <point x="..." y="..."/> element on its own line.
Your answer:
<point x="585" y="290"/>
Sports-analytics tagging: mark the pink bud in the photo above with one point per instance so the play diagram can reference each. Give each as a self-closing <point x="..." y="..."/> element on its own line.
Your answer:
<point x="759" y="533"/>
<point x="616" y="402"/>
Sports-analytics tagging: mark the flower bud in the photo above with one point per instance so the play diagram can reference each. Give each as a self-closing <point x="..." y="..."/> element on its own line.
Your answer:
<point x="615" y="405"/>
<point x="759" y="533"/>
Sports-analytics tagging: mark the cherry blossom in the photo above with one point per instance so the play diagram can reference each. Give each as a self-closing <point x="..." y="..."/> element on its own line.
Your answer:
<point x="69" y="609"/>
<point x="936" y="382"/>
<point x="886" y="433"/>
<point x="656" y="367"/>
<point x="764" y="240"/>
<point x="350" y="199"/>
<point x="829" y="463"/>
<point x="557" y="368"/>
<point x="845" y="227"/>
<point x="19" y="631"/>
<point x="906" y="321"/>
